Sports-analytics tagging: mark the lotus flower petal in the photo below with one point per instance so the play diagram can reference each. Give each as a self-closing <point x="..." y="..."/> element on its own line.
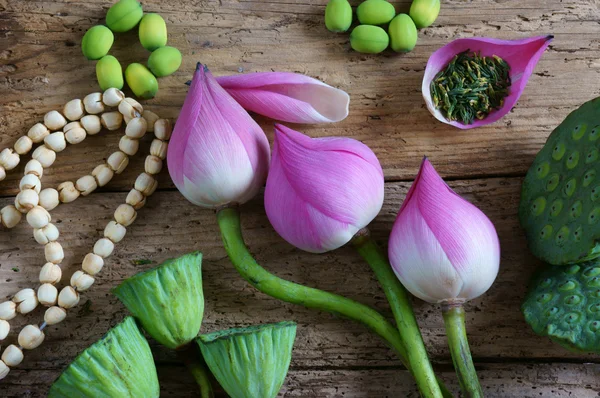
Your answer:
<point x="522" y="56"/>
<point x="217" y="154"/>
<point x="289" y="97"/>
<point x="442" y="247"/>
<point x="321" y="191"/>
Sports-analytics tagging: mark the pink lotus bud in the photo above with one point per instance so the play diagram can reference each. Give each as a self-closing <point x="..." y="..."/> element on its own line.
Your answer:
<point x="289" y="97"/>
<point x="320" y="192"/>
<point x="217" y="154"/>
<point x="442" y="247"/>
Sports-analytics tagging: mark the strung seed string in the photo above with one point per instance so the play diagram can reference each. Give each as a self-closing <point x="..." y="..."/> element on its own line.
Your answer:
<point x="36" y="203"/>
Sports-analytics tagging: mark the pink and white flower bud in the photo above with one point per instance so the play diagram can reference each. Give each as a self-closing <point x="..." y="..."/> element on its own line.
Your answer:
<point x="320" y="192"/>
<point x="217" y="153"/>
<point x="442" y="248"/>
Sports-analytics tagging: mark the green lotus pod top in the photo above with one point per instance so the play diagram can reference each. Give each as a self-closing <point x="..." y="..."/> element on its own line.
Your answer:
<point x="560" y="206"/>
<point x="118" y="365"/>
<point x="250" y="362"/>
<point x="167" y="300"/>
<point x="563" y="303"/>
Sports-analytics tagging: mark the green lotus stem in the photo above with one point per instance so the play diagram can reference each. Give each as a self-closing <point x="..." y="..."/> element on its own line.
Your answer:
<point x="191" y="357"/>
<point x="416" y="353"/>
<point x="454" y="320"/>
<point x="233" y="241"/>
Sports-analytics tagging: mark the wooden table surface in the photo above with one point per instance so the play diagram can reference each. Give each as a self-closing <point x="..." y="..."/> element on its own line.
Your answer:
<point x="41" y="67"/>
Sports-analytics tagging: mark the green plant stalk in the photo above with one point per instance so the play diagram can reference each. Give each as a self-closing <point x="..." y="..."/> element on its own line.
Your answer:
<point x="191" y="357"/>
<point x="454" y="320"/>
<point x="416" y="353"/>
<point x="233" y="241"/>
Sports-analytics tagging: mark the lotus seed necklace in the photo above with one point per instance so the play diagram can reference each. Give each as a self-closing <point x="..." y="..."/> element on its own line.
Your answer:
<point x="78" y="119"/>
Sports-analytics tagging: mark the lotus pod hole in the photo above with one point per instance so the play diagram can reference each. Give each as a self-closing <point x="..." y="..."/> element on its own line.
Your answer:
<point x="563" y="303"/>
<point x="560" y="206"/>
<point x="167" y="300"/>
<point x="251" y="361"/>
<point x="118" y="365"/>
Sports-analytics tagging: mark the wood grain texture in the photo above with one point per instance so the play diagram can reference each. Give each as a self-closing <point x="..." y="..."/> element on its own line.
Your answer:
<point x="41" y="67"/>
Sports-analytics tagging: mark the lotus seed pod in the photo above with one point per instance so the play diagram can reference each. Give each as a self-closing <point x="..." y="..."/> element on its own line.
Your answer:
<point x="124" y="352"/>
<point x="153" y="164"/>
<point x="4" y="370"/>
<point x="91" y="124"/>
<point x="23" y="145"/>
<point x="153" y="32"/>
<point x="424" y="12"/>
<point x="9" y="159"/>
<point x="158" y="148"/>
<point x="31" y="181"/>
<point x="44" y="155"/>
<point x="112" y="97"/>
<point x="49" y="198"/>
<point x="81" y="281"/>
<point x="559" y="208"/>
<point x="54" y="252"/>
<point x="403" y="33"/>
<point x="128" y="145"/>
<point x="109" y="73"/>
<point x="74" y="110"/>
<point x="96" y="42"/>
<point x="31" y="337"/>
<point x="50" y="273"/>
<point x="8" y="310"/>
<point x="164" y="61"/>
<point x="38" y="132"/>
<point x="118" y="161"/>
<point x="4" y="329"/>
<point x="103" y="174"/>
<point x="10" y="216"/>
<point x="27" y="199"/>
<point x="92" y="263"/>
<point x="67" y="192"/>
<point x="124" y="15"/>
<point x="150" y="296"/>
<point x="103" y="247"/>
<point x="151" y="118"/>
<point x="163" y="129"/>
<point x="54" y="315"/>
<point x="136" y="199"/>
<point x="375" y="12"/>
<point x="86" y="185"/>
<point x="136" y="128"/>
<point x="130" y="108"/>
<point x="369" y="39"/>
<point x="46" y="235"/>
<point x="54" y="121"/>
<point x="38" y="217"/>
<point x="146" y="184"/>
<point x="563" y="303"/>
<point x="68" y="297"/>
<point x="47" y="294"/>
<point x="12" y="355"/>
<point x="112" y="120"/>
<point x="56" y="141"/>
<point x="93" y="103"/>
<point x="125" y="215"/>
<point x="141" y="81"/>
<point x="114" y="231"/>
<point x="338" y="15"/>
<point x="251" y="361"/>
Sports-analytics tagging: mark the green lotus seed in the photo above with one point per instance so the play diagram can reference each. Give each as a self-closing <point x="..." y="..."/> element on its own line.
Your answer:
<point x="595" y="133"/>
<point x="577" y="234"/>
<point x="595" y="193"/>
<point x="338" y="15"/>
<point x="594" y="282"/>
<point x="572" y="317"/>
<point x="594" y="216"/>
<point x="576" y="209"/>
<point x="403" y="33"/>
<point x="551" y="312"/>
<point x="579" y="131"/>
<point x="424" y="12"/>
<point x="369" y="39"/>
<point x="595" y="293"/>
<point x="542" y="170"/>
<point x="152" y="32"/>
<point x="124" y="15"/>
<point x="592" y="156"/>
<point x="590" y="272"/>
<point x="594" y="307"/>
<point x="96" y="42"/>
<point x="594" y="326"/>
<point x="573" y="299"/>
<point x="568" y="285"/>
<point x="141" y="81"/>
<point x="538" y="206"/>
<point x="546" y="232"/>
<point x="570" y="187"/>
<point x="552" y="182"/>
<point x="589" y="177"/>
<point x="544" y="298"/>
<point x="562" y="235"/>
<point x="556" y="208"/>
<point x="109" y="73"/>
<point x="572" y="270"/>
<point x="572" y="160"/>
<point x="164" y="61"/>
<point x="546" y="283"/>
<point x="375" y="12"/>
<point x="559" y="151"/>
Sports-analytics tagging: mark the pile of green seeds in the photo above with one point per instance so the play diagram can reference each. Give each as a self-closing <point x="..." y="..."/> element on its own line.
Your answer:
<point x="471" y="86"/>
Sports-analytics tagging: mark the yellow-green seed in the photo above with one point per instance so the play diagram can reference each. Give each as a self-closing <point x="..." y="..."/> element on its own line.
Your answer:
<point x="124" y="15"/>
<point x="164" y="61"/>
<point x="375" y="12"/>
<point x="369" y="39"/>
<point x="141" y="81"/>
<point x="97" y="41"/>
<point x="153" y="32"/>
<point x="109" y="73"/>
<point x="424" y="12"/>
<point x="403" y="33"/>
<point x="338" y="15"/>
